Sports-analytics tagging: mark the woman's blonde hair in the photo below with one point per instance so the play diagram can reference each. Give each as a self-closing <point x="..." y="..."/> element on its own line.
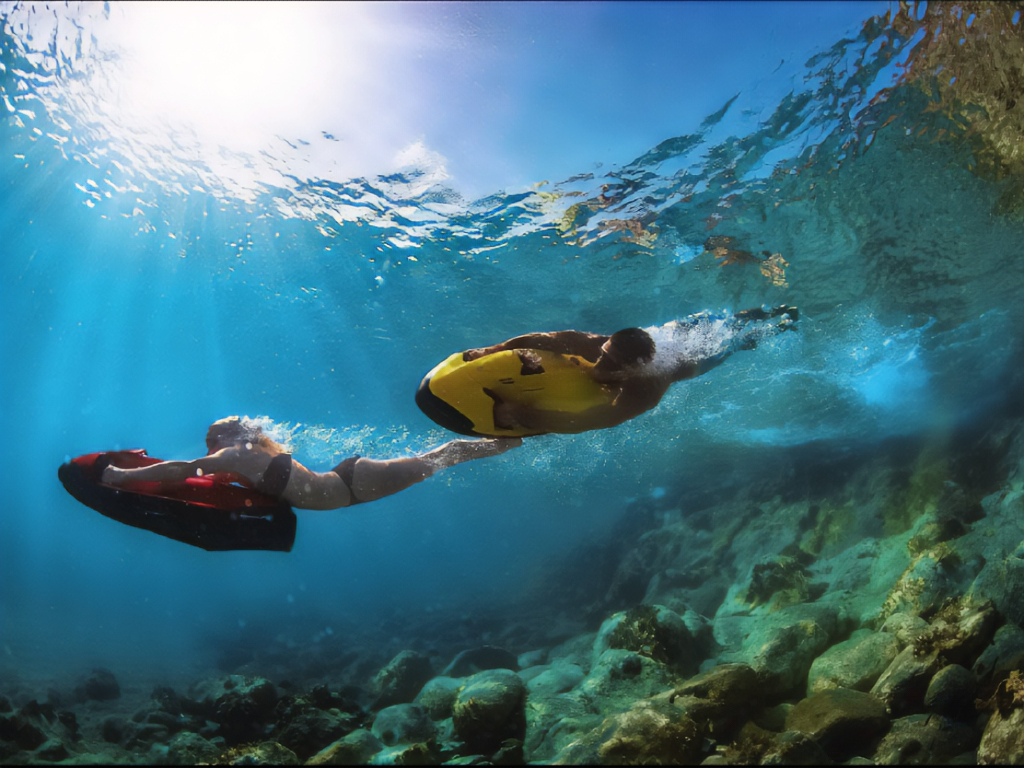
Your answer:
<point x="235" y="429"/>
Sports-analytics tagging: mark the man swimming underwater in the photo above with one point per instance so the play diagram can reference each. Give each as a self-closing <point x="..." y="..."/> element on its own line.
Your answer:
<point x="571" y="381"/>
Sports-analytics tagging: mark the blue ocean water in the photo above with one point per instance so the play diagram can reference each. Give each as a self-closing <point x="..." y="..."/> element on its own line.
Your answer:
<point x="147" y="291"/>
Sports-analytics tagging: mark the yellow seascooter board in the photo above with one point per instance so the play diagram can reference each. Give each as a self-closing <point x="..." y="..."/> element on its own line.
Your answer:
<point x="460" y="395"/>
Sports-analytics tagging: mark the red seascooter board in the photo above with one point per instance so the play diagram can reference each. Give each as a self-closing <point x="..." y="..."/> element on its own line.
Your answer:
<point x="209" y="512"/>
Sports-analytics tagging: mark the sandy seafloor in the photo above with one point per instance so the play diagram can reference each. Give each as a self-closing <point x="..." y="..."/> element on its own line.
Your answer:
<point x="813" y="554"/>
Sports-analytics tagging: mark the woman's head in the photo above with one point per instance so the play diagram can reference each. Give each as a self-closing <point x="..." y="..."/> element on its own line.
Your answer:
<point x="235" y="430"/>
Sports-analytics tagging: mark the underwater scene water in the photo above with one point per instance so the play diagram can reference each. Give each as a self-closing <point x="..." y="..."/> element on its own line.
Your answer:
<point x="813" y="553"/>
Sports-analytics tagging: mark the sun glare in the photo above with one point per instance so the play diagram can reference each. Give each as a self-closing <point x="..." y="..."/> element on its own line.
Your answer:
<point x="233" y="71"/>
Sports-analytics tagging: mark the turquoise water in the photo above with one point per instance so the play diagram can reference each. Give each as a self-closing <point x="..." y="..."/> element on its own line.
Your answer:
<point x="147" y="291"/>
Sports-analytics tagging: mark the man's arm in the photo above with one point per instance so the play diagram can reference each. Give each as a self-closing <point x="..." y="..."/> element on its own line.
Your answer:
<point x="586" y="345"/>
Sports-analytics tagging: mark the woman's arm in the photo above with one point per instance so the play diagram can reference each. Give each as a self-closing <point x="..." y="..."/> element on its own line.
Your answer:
<point x="171" y="471"/>
<point x="372" y="480"/>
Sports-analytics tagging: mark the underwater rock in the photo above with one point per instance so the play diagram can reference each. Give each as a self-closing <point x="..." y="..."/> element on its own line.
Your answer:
<point x="778" y="582"/>
<point x="1002" y="743"/>
<point x="577" y="650"/>
<point x="480" y="659"/>
<point x="187" y="748"/>
<point x="1005" y="653"/>
<point x="204" y="695"/>
<point x="932" y="577"/>
<point x="36" y="726"/>
<point x="960" y="631"/>
<point x="556" y="679"/>
<point x="652" y="732"/>
<point x="52" y="751"/>
<point x="925" y="740"/>
<point x="113" y="729"/>
<point x="403" y="724"/>
<point x="951" y="693"/>
<point x="241" y="705"/>
<point x="322" y="697"/>
<point x="639" y="564"/>
<point x="747" y="748"/>
<point x="21" y="731"/>
<point x="100" y="685"/>
<point x="173" y="723"/>
<point x="658" y="633"/>
<point x="843" y="722"/>
<point x="354" y="749"/>
<point x="438" y="695"/>
<point x="795" y="748"/>
<point x="532" y="658"/>
<point x="784" y="651"/>
<point x="858" y="579"/>
<point x="400" y="680"/>
<point x="649" y="732"/>
<point x="526" y="675"/>
<point x="953" y="513"/>
<point x="854" y="664"/>
<point x="305" y="730"/>
<point x="734" y="685"/>
<point x="1002" y="581"/>
<point x="621" y="677"/>
<point x="720" y="700"/>
<point x="490" y="709"/>
<point x="905" y="627"/>
<point x="553" y="722"/>
<point x="146" y="735"/>
<point x="409" y="754"/>
<point x="264" y="753"/>
<point x="166" y="699"/>
<point x="903" y="684"/>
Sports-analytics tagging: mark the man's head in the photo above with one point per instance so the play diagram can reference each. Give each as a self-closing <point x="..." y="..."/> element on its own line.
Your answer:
<point x="625" y="349"/>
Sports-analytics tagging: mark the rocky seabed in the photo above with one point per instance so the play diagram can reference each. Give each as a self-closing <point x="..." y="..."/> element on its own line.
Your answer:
<point x="877" y="623"/>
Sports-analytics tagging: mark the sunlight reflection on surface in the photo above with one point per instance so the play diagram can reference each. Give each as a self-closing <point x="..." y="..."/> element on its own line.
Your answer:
<point x="255" y="76"/>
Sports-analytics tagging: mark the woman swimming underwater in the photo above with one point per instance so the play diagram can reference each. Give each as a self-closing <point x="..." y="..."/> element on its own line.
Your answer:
<point x="238" y="447"/>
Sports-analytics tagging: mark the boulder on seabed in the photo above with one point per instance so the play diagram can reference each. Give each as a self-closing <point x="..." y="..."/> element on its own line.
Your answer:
<point x="100" y="685"/>
<point x="854" y="664"/>
<point x="557" y="678"/>
<point x="403" y="724"/>
<point x="401" y="679"/>
<point x="925" y="740"/>
<point x="354" y="749"/>
<point x="651" y="732"/>
<point x="659" y="633"/>
<point x="843" y="722"/>
<point x="489" y="709"/>
<point x="438" y="695"/>
<point x="1002" y="743"/>
<point x="481" y="659"/>
<point x="619" y="678"/>
<point x="1004" y="653"/>
<point x="187" y="748"/>
<point x="951" y="693"/>
<point x="241" y="705"/>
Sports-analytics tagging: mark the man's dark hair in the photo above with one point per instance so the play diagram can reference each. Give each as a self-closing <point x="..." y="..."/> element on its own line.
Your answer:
<point x="630" y="346"/>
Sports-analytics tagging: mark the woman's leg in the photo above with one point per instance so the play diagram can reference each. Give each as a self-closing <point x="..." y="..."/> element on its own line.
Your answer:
<point x="373" y="479"/>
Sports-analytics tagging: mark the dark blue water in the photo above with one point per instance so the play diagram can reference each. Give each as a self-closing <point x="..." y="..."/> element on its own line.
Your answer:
<point x="145" y="294"/>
